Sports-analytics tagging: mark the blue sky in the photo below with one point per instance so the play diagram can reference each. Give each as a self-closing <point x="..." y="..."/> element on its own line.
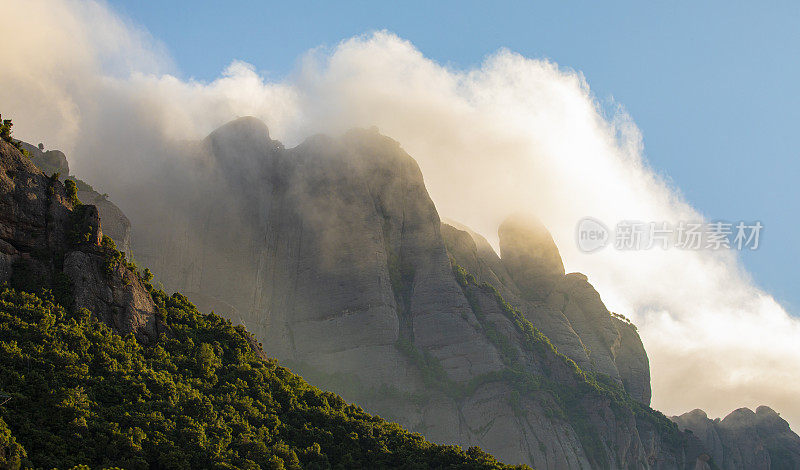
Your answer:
<point x="711" y="85"/>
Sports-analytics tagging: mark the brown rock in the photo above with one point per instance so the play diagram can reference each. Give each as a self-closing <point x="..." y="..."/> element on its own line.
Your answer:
<point x="43" y="238"/>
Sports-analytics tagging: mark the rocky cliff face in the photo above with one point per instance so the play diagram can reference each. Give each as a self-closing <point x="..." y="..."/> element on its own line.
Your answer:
<point x="115" y="224"/>
<point x="48" y="238"/>
<point x="566" y="308"/>
<point x="334" y="255"/>
<point x="744" y="439"/>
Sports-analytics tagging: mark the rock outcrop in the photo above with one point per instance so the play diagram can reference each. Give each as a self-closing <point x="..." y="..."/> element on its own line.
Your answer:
<point x="744" y="439"/>
<point x="50" y="161"/>
<point x="566" y="308"/>
<point x="47" y="238"/>
<point x="115" y="224"/>
<point x="530" y="256"/>
<point x="334" y="255"/>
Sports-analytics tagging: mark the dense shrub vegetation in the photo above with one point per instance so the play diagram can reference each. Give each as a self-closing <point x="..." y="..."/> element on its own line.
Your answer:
<point x="198" y="398"/>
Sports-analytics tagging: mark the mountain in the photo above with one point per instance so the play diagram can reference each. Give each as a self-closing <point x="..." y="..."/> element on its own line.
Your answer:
<point x="745" y="439"/>
<point x="334" y="255"/>
<point x="99" y="368"/>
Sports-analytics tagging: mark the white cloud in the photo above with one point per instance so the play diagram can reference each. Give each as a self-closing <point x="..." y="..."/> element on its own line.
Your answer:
<point x="513" y="135"/>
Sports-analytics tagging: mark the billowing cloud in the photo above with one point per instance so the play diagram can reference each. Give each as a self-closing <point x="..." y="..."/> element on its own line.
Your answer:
<point x="513" y="135"/>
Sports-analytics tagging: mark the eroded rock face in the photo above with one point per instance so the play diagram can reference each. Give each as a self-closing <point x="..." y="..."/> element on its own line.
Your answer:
<point x="566" y="308"/>
<point x="115" y="224"/>
<point x="46" y="241"/>
<point x="745" y="439"/>
<point x="333" y="253"/>
<point x="329" y="254"/>
<point x="118" y="298"/>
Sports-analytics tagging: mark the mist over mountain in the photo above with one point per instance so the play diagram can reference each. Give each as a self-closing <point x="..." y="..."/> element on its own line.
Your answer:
<point x="98" y="368"/>
<point x="510" y="135"/>
<point x="333" y="254"/>
<point x="341" y="232"/>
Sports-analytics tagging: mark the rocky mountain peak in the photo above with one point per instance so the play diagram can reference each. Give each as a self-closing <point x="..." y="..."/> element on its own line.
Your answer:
<point x="764" y="417"/>
<point x="745" y="439"/>
<point x="247" y="130"/>
<point x="530" y="255"/>
<point x="766" y="413"/>
<point x="240" y="149"/>
<point x="739" y="417"/>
